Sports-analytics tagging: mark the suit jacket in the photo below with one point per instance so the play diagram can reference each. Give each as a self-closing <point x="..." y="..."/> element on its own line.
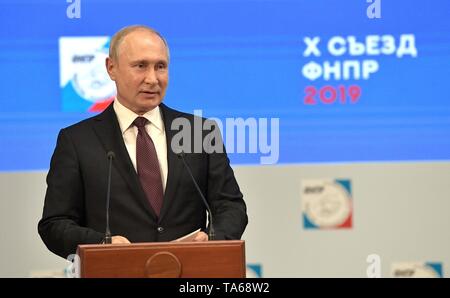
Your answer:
<point x="75" y="202"/>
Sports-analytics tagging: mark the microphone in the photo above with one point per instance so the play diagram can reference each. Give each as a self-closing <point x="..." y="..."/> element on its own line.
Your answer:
<point x="110" y="155"/>
<point x="211" y="233"/>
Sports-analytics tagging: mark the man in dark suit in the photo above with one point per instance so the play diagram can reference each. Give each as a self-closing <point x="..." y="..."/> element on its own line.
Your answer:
<point x="152" y="196"/>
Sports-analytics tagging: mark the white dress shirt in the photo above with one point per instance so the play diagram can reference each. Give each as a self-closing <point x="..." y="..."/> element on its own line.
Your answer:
<point x="155" y="128"/>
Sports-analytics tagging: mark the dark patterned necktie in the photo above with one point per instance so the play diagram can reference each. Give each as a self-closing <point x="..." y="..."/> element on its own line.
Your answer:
<point x="148" y="167"/>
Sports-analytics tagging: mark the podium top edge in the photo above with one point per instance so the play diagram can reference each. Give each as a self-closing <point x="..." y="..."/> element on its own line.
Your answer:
<point x="174" y="244"/>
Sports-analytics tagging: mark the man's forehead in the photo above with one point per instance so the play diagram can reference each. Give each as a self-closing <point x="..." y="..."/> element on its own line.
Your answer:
<point x="142" y="43"/>
<point x="142" y="37"/>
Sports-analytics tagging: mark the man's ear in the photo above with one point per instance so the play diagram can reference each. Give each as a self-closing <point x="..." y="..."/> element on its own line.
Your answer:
<point x="111" y="68"/>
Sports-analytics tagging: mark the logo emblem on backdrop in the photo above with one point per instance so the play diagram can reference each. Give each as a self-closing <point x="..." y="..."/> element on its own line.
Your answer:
<point x="84" y="81"/>
<point x="417" y="269"/>
<point x="254" y="271"/>
<point x="326" y="204"/>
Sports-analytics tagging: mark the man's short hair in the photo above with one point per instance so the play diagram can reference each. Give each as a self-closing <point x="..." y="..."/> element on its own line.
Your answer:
<point x="117" y="39"/>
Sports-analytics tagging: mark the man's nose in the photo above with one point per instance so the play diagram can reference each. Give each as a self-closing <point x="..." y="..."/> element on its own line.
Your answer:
<point x="150" y="77"/>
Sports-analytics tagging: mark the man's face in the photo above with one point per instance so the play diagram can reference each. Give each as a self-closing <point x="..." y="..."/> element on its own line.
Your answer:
<point x="140" y="71"/>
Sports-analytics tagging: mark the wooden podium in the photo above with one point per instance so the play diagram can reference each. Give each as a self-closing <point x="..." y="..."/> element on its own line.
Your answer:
<point x="211" y="259"/>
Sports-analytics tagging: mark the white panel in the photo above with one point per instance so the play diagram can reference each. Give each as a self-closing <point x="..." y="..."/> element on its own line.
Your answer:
<point x="400" y="213"/>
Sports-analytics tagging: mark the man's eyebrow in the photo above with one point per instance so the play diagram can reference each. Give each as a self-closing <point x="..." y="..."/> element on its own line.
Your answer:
<point x="145" y="61"/>
<point x="139" y="61"/>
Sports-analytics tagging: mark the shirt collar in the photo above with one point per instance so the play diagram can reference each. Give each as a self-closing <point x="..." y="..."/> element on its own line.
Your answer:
<point x="126" y="116"/>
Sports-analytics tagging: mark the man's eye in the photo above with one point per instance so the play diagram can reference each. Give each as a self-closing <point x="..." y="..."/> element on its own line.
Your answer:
<point x="161" y="66"/>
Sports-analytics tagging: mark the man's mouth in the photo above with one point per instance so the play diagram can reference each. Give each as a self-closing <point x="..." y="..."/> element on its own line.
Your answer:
<point x="149" y="92"/>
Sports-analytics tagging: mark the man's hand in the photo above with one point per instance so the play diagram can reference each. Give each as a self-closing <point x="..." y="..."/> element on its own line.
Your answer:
<point x="201" y="236"/>
<point x="119" y="240"/>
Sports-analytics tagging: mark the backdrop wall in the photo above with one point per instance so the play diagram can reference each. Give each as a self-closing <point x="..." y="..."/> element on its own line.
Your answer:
<point x="402" y="215"/>
<point x="349" y="102"/>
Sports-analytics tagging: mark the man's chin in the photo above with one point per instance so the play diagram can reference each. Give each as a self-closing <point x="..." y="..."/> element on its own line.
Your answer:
<point x="149" y="104"/>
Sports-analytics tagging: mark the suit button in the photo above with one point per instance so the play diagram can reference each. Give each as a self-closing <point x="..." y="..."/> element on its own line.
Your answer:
<point x="160" y="229"/>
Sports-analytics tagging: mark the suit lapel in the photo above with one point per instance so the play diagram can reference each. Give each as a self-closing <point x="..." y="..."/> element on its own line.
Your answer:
<point x="108" y="131"/>
<point x="175" y="165"/>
